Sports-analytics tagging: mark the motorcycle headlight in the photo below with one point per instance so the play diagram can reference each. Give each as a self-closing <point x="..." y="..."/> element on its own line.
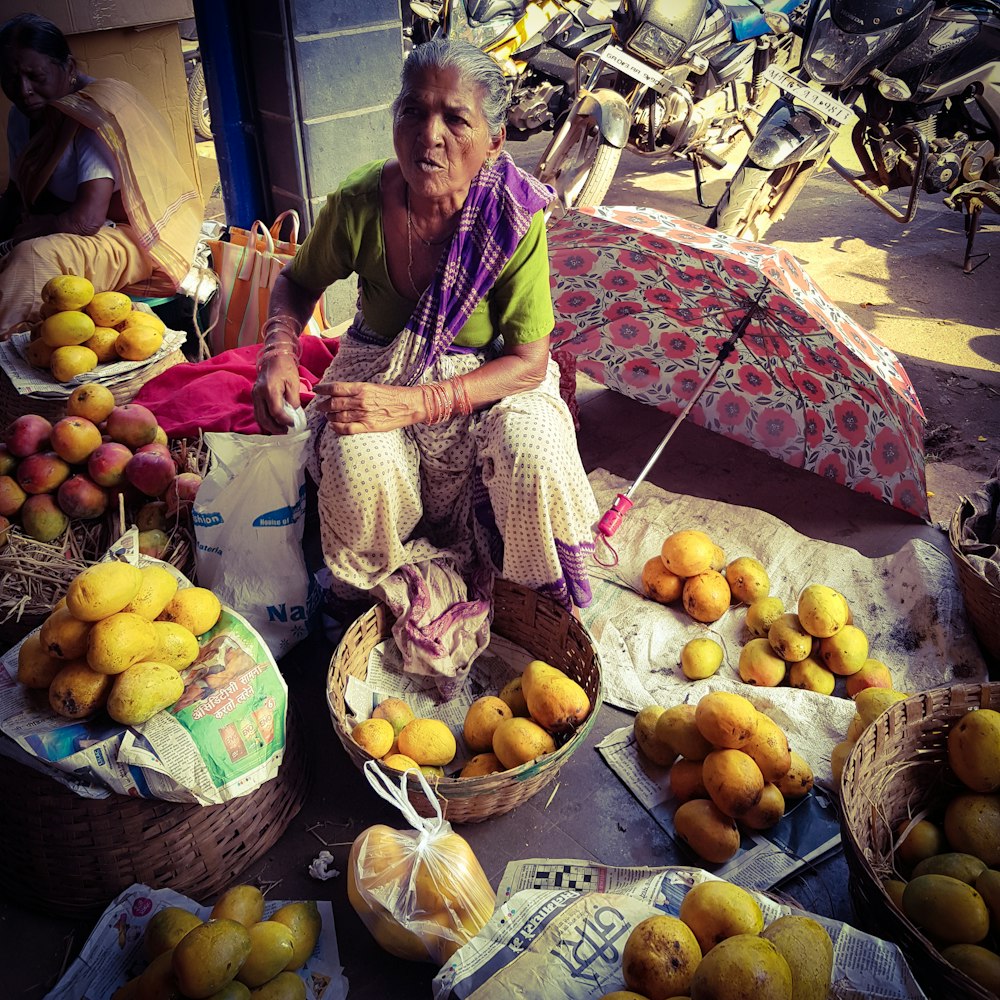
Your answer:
<point x="834" y="57"/>
<point x="655" y="45"/>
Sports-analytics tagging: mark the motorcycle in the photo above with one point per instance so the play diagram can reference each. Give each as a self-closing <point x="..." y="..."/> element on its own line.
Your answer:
<point x="918" y="83"/>
<point x="680" y="78"/>
<point x="536" y="44"/>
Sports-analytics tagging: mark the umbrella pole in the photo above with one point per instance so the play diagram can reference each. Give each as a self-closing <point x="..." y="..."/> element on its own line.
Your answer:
<point x="612" y="519"/>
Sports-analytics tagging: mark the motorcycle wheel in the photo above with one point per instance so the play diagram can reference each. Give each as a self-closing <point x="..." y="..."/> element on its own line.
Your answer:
<point x="747" y="205"/>
<point x="581" y="165"/>
<point x="201" y="118"/>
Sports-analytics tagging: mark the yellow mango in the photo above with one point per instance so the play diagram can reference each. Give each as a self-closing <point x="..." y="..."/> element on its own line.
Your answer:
<point x="974" y="750"/>
<point x="481" y="718"/>
<point x="762" y="614"/>
<point x="118" y="641"/>
<point x="707" y="830"/>
<point x="165" y="928"/>
<point x="517" y="740"/>
<point x="108" y="308"/>
<point x="102" y="343"/>
<point x="513" y="693"/>
<point x="797" y="780"/>
<point x="872" y="702"/>
<point x="733" y="780"/>
<point x="760" y="665"/>
<point x="965" y="867"/>
<point x="769" y="810"/>
<point x="725" y="719"/>
<point x="980" y="964"/>
<point x="155" y="592"/>
<point x="700" y="658"/>
<point x="175" y="645"/>
<point x="69" y="328"/>
<point x="157" y="981"/>
<point x="271" y="948"/>
<point x="644" y="967"/>
<point x="144" y="689"/>
<point x="718" y="910"/>
<point x="209" y="956"/>
<point x="677" y="729"/>
<point x="805" y="945"/>
<point x="741" y="967"/>
<point x="66" y="363"/>
<point x="427" y="741"/>
<point x="686" y="780"/>
<point x="556" y="701"/>
<point x="769" y="748"/>
<point x="242" y="903"/>
<point x="67" y="291"/>
<point x="479" y="766"/>
<point x="64" y="636"/>
<point x="822" y="611"/>
<point x="35" y="667"/>
<point x="789" y="639"/>
<point x="845" y="653"/>
<point x="748" y="579"/>
<point x="137" y="343"/>
<point x="948" y="910"/>
<point x="972" y="826"/>
<point x="644" y="730"/>
<point x="284" y="986"/>
<point x="196" y="608"/>
<point x="77" y="691"/>
<point x="304" y="921"/>
<point x="102" y="590"/>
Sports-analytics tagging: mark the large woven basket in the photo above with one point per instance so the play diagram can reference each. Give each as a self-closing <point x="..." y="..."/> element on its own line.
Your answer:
<point x="541" y="627"/>
<point x="898" y="769"/>
<point x="14" y="404"/>
<point x="69" y="856"/>
<point x="982" y="599"/>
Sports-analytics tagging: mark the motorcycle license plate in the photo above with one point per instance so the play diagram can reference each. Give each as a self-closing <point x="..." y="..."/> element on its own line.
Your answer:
<point x="630" y="66"/>
<point x="809" y="96"/>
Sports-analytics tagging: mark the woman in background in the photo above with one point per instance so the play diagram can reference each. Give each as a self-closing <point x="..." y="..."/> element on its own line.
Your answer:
<point x="95" y="187"/>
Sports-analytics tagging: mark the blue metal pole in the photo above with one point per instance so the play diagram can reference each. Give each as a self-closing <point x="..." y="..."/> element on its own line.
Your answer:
<point x="234" y="129"/>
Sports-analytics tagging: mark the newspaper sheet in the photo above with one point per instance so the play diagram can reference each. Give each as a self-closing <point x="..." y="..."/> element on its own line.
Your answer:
<point x="223" y="738"/>
<point x="113" y="953"/>
<point x="908" y="603"/>
<point x="29" y="380"/>
<point x="809" y="830"/>
<point x="563" y="940"/>
<point x="500" y="662"/>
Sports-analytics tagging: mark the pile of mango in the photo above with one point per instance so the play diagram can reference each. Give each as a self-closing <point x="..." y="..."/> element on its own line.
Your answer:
<point x="946" y="861"/>
<point x="74" y="469"/>
<point x="235" y="954"/>
<point x="731" y="767"/>
<point x="717" y="948"/>
<point x="82" y="328"/>
<point x="693" y="569"/>
<point x="117" y="641"/>
<point x="501" y="731"/>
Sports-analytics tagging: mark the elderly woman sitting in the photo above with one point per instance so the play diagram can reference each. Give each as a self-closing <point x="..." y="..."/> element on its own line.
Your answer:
<point x="95" y="187"/>
<point x="443" y="452"/>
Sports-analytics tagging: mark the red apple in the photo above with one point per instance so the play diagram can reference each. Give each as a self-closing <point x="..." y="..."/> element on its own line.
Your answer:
<point x="132" y="425"/>
<point x="43" y="472"/>
<point x="81" y="497"/>
<point x="181" y="492"/>
<point x="150" y="472"/>
<point x="107" y="463"/>
<point x="27" y="434"/>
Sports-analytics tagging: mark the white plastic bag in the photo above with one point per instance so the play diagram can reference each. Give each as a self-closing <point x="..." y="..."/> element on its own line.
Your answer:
<point x="248" y="520"/>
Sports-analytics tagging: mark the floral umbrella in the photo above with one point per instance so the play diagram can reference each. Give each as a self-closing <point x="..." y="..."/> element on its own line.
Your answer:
<point x="646" y="300"/>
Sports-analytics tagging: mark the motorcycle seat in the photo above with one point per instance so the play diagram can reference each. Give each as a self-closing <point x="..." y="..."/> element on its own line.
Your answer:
<point x="747" y="18"/>
<point x="482" y="11"/>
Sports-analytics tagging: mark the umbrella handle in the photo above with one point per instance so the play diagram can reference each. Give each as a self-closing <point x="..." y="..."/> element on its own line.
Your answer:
<point x="612" y="519"/>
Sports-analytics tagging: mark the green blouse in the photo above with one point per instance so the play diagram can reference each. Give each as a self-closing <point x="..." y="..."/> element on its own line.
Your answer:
<point x="348" y="238"/>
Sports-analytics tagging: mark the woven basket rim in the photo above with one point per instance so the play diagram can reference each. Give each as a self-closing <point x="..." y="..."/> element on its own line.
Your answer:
<point x="459" y="790"/>
<point x="891" y="723"/>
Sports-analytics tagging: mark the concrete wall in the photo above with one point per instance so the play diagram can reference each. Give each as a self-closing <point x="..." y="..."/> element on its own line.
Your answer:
<point x="324" y="75"/>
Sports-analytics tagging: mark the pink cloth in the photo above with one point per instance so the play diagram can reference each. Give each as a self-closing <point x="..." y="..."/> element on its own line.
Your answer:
<point x="214" y="395"/>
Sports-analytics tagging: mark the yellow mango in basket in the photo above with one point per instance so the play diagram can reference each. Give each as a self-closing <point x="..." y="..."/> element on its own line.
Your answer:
<point x="242" y="903"/>
<point x="77" y="691"/>
<point x="271" y="948"/>
<point x="66" y="363"/>
<point x="284" y="986"/>
<point x="165" y="928"/>
<point x="102" y="343"/>
<point x="209" y="956"/>
<point x="67" y="291"/>
<point x="102" y="590"/>
<point x="108" y="308"/>
<point x="556" y="701"/>
<point x="144" y="689"/>
<point x="174" y="645"/>
<point x="138" y="342"/>
<point x="67" y="329"/>
<point x="155" y="592"/>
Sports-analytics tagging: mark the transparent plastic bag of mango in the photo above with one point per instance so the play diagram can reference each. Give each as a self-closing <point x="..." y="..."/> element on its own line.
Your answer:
<point x="421" y="893"/>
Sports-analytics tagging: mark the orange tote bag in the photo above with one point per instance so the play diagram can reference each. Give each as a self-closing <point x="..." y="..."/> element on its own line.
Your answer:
<point x="247" y="264"/>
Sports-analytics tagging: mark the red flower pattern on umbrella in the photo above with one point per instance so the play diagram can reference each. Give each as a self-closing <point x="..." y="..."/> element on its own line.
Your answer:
<point x="618" y="281"/>
<point x="870" y="487"/>
<point x="832" y="467"/>
<point x="755" y="381"/>
<point x="619" y="310"/>
<point x="576" y="261"/>
<point x="852" y="422"/>
<point x="909" y="496"/>
<point x="664" y="298"/>
<point x="575" y="301"/>
<point x="809" y="386"/>
<point x="640" y="373"/>
<point x="685" y="384"/>
<point x="766" y="344"/>
<point x="629" y="332"/>
<point x="775" y="427"/>
<point x="637" y="260"/>
<point x="731" y="409"/>
<point x="592" y="369"/>
<point x="677" y="344"/>
<point x="821" y="360"/>
<point x="814" y="428"/>
<point x="889" y="454"/>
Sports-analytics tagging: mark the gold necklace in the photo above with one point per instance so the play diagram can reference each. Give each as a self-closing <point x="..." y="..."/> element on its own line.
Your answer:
<point x="410" y="229"/>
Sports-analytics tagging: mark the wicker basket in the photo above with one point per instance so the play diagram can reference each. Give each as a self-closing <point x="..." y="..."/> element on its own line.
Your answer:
<point x="69" y="856"/>
<point x="523" y="616"/>
<point x="14" y="404"/>
<point x="898" y="769"/>
<point x="982" y="599"/>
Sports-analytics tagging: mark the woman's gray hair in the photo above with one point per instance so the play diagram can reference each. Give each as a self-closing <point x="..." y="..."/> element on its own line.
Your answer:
<point x="471" y="63"/>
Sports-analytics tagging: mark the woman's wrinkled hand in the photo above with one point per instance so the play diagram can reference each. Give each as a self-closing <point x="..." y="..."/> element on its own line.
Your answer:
<point x="277" y="383"/>
<point x="367" y="407"/>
